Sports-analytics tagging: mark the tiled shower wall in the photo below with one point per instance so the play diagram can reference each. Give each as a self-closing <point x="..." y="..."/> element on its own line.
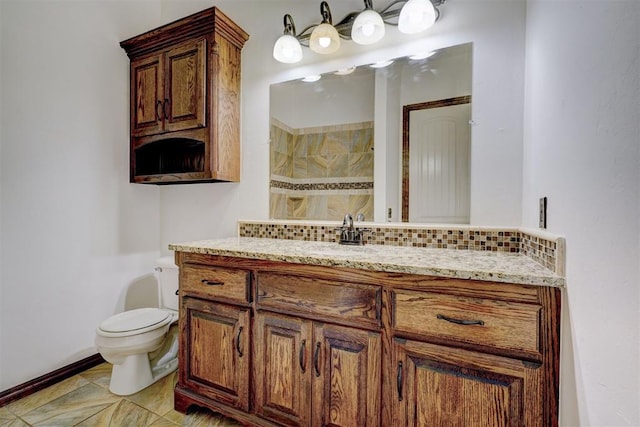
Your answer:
<point x="320" y="173"/>
<point x="545" y="249"/>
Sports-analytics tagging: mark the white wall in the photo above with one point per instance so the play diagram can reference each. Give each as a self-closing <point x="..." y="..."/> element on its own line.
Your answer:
<point x="330" y="101"/>
<point x="582" y="142"/>
<point x="75" y="235"/>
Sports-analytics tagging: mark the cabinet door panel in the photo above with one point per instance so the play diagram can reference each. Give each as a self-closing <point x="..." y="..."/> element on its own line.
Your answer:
<point x="147" y="95"/>
<point x="346" y="377"/>
<point x="215" y="350"/>
<point x="437" y="385"/>
<point x="282" y="369"/>
<point x="185" y="87"/>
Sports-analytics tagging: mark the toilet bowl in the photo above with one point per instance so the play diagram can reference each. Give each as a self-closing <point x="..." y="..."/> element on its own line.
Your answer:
<point x="142" y="344"/>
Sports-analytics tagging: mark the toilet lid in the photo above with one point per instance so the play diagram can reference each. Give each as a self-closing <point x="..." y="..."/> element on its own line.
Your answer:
<point x="133" y="320"/>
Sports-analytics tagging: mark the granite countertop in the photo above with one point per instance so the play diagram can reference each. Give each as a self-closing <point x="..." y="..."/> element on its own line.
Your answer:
<point x="462" y="264"/>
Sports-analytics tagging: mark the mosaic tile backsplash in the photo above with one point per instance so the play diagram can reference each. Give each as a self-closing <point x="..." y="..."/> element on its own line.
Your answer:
<point x="321" y="172"/>
<point x="546" y="250"/>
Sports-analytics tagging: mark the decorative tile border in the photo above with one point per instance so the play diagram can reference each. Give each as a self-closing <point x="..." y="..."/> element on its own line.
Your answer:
<point x="322" y="186"/>
<point x="544" y="248"/>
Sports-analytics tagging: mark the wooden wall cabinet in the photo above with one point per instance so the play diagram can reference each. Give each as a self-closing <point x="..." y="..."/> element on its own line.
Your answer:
<point x="271" y="343"/>
<point x="185" y="100"/>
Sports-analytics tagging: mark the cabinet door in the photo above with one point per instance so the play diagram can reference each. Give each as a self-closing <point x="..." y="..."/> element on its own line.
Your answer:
<point x="436" y="385"/>
<point x="215" y="351"/>
<point x="147" y="95"/>
<point x="185" y="94"/>
<point x="282" y="369"/>
<point x="346" y="376"/>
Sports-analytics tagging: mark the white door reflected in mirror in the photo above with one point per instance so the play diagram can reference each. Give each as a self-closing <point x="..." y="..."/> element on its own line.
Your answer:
<point x="439" y="185"/>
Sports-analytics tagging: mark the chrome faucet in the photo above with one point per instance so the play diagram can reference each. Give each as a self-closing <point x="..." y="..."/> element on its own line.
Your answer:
<point x="349" y="235"/>
<point x="347" y="223"/>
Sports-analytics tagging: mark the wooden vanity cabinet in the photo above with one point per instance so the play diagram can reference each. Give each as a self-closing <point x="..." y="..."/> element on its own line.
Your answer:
<point x="216" y="347"/>
<point x="215" y="331"/>
<point x="308" y="371"/>
<point x="168" y="90"/>
<point x="185" y="100"/>
<point x="473" y="355"/>
<point x="272" y="343"/>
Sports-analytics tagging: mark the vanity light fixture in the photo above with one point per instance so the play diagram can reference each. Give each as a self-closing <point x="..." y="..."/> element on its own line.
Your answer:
<point x="324" y="38"/>
<point x="368" y="26"/>
<point x="287" y="48"/>
<point x="363" y="27"/>
<point x="416" y="16"/>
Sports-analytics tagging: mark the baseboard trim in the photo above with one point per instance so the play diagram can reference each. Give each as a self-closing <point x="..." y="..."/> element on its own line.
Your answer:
<point x="44" y="381"/>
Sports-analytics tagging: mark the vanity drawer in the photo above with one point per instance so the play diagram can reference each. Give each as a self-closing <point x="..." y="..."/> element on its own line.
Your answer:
<point x="479" y="321"/>
<point x="341" y="302"/>
<point x="227" y="284"/>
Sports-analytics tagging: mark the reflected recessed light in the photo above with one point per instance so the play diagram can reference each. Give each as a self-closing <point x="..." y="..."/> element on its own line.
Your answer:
<point x="312" y="78"/>
<point x="345" y="71"/>
<point x="422" y="55"/>
<point x="382" y="64"/>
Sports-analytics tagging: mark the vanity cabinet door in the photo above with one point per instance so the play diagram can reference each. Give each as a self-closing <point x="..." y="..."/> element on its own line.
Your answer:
<point x="282" y="369"/>
<point x="215" y="351"/>
<point x="437" y="385"/>
<point x="346" y="381"/>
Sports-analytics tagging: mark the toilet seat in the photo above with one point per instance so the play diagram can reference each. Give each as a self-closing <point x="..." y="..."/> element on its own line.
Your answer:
<point x="134" y="322"/>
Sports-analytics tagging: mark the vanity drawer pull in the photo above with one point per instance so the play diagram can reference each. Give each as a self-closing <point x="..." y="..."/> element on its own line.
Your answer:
<point x="212" y="282"/>
<point x="460" y="321"/>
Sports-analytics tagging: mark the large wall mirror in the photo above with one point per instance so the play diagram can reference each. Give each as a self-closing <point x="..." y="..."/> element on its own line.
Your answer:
<point x="411" y="117"/>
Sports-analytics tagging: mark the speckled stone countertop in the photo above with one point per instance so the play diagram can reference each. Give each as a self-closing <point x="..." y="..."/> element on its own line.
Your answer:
<point x="462" y="264"/>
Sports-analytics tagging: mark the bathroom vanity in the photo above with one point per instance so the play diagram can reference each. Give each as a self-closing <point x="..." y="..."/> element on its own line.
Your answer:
<point x="284" y="332"/>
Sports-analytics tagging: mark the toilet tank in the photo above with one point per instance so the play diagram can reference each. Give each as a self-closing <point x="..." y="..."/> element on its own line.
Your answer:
<point x="167" y="274"/>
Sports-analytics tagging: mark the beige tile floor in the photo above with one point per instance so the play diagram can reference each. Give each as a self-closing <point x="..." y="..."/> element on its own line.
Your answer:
<point x="84" y="400"/>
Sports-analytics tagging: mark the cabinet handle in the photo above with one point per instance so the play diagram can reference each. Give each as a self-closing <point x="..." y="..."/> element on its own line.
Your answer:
<point x="240" y="354"/>
<point x="460" y="321"/>
<point x="158" y="106"/>
<point x="212" y="282"/>
<point x="399" y="381"/>
<point x="165" y="109"/>
<point x="379" y="304"/>
<point x="316" y="357"/>
<point x="303" y="362"/>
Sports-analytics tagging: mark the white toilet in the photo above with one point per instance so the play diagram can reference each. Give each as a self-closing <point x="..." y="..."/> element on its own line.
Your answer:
<point x="139" y="343"/>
